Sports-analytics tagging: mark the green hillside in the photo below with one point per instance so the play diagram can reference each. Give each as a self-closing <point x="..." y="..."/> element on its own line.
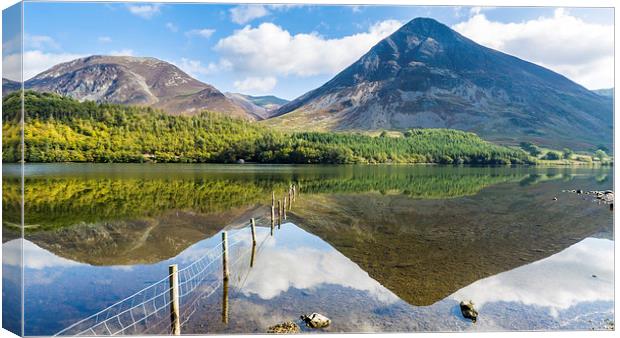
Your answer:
<point x="60" y="129"/>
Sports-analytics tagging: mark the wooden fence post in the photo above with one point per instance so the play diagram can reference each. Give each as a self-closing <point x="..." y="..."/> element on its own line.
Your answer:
<point x="225" y="302"/>
<point x="290" y="197"/>
<point x="253" y="255"/>
<point x="279" y="213"/>
<point x="284" y="208"/>
<point x="253" y="225"/>
<point x="175" y="321"/>
<point x="225" y="274"/>
<point x="273" y="211"/>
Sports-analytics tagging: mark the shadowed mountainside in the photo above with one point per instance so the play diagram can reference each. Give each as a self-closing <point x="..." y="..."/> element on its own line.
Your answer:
<point x="425" y="75"/>
<point x="424" y="250"/>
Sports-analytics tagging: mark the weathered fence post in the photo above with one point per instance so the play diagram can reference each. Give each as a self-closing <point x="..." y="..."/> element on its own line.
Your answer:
<point x="225" y="274"/>
<point x="279" y="213"/>
<point x="253" y="225"/>
<point x="273" y="211"/>
<point x="225" y="302"/>
<point x="290" y="197"/>
<point x="284" y="208"/>
<point x="175" y="322"/>
<point x="253" y="255"/>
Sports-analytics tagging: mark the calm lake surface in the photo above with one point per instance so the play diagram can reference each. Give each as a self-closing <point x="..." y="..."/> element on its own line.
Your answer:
<point x="374" y="248"/>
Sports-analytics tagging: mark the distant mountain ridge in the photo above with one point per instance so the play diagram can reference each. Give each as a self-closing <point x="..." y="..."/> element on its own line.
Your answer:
<point x="261" y="106"/>
<point x="143" y="81"/>
<point x="426" y="75"/>
<point x="607" y="92"/>
<point x="9" y="86"/>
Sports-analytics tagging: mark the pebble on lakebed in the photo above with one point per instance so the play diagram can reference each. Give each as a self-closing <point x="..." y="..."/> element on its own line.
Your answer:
<point x="286" y="327"/>
<point x="468" y="311"/>
<point x="604" y="196"/>
<point x="316" y="320"/>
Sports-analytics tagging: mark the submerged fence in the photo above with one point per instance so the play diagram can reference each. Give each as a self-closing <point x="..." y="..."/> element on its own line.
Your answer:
<point x="166" y="305"/>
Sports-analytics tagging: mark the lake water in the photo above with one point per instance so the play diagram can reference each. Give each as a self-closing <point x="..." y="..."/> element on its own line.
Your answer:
<point x="374" y="248"/>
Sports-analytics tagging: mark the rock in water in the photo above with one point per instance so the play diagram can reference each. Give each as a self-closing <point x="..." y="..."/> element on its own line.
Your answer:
<point x="316" y="320"/>
<point x="286" y="327"/>
<point x="468" y="311"/>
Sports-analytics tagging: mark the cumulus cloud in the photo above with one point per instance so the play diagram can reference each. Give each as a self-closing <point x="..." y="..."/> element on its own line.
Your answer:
<point x="204" y="33"/>
<point x="35" y="62"/>
<point x="243" y="14"/>
<point x="269" y="50"/>
<point x="256" y="84"/>
<point x="563" y="273"/>
<point x="144" y="11"/>
<point x="39" y="42"/>
<point x="172" y="27"/>
<point x="195" y="68"/>
<point x="582" y="51"/>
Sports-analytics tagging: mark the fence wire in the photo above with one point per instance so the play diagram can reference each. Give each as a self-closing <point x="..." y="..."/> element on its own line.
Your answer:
<point x="148" y="310"/>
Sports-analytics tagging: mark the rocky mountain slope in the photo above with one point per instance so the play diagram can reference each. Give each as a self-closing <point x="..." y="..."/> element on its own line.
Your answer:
<point x="134" y="81"/>
<point x="425" y="75"/>
<point x="9" y="86"/>
<point x="263" y="107"/>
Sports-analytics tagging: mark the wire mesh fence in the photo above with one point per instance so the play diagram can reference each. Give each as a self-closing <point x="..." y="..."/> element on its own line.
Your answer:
<point x="148" y="310"/>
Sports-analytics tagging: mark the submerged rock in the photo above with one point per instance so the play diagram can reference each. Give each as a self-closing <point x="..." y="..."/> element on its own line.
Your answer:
<point x="468" y="311"/>
<point x="286" y="327"/>
<point x="316" y="320"/>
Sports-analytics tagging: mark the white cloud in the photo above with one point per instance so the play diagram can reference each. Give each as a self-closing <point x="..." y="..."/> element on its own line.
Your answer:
<point x="39" y="42"/>
<point x="243" y="14"/>
<point x="144" y="11"/>
<point x="34" y="257"/>
<point x="562" y="273"/>
<point x="172" y="27"/>
<point x="122" y="52"/>
<point x="35" y="62"/>
<point x="580" y="50"/>
<point x="256" y="84"/>
<point x="269" y="50"/>
<point x="105" y="39"/>
<point x="195" y="68"/>
<point x="204" y="33"/>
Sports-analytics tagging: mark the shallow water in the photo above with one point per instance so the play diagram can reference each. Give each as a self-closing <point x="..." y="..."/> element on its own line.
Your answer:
<point x="375" y="248"/>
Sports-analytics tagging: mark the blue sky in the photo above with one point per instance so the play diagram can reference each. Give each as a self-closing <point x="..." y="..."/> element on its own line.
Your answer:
<point x="288" y="50"/>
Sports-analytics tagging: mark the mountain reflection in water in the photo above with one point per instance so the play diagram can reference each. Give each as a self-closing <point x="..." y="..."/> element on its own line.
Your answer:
<point x="296" y="272"/>
<point x="374" y="248"/>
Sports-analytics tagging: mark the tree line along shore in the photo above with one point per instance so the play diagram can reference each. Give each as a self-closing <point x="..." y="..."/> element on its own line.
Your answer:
<point x="61" y="129"/>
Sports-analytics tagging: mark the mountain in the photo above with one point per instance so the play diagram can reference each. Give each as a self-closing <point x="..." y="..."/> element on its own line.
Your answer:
<point x="134" y="81"/>
<point x="260" y="106"/>
<point x="423" y="255"/>
<point x="607" y="92"/>
<point x="9" y="86"/>
<point x="426" y="75"/>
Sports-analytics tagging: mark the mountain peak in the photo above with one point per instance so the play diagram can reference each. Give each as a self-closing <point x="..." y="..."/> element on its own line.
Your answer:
<point x="426" y="75"/>
<point x="133" y="80"/>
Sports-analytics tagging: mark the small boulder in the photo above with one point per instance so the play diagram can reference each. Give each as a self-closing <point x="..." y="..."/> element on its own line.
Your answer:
<point x="468" y="311"/>
<point x="316" y="320"/>
<point x="284" y="328"/>
<point x="240" y="161"/>
<point x="580" y="191"/>
<point x="555" y="198"/>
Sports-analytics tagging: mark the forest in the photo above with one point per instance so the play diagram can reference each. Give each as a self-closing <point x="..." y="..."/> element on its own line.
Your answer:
<point x="61" y="129"/>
